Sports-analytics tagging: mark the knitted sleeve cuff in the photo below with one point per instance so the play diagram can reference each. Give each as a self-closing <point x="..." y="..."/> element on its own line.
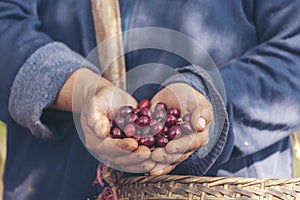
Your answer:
<point x="38" y="83"/>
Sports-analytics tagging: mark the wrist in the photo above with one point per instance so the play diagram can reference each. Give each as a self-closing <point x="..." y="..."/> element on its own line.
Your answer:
<point x="78" y="89"/>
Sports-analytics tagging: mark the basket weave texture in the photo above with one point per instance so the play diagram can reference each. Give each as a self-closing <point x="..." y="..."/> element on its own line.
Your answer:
<point x="212" y="188"/>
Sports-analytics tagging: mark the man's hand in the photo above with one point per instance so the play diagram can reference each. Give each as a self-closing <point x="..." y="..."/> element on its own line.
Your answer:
<point x="97" y="100"/>
<point x="95" y="115"/>
<point x="188" y="100"/>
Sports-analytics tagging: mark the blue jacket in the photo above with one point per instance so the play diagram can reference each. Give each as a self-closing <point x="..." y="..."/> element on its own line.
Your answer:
<point x="254" y="44"/>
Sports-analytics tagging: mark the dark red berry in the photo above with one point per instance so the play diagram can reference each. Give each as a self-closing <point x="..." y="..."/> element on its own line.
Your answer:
<point x="137" y="138"/>
<point x="145" y="131"/>
<point x="131" y="118"/>
<point x="159" y="115"/>
<point x="166" y="129"/>
<point x="171" y="120"/>
<point x="125" y="110"/>
<point x="145" y="103"/>
<point x="136" y="111"/>
<point x="175" y="112"/>
<point x="130" y="130"/>
<point x="116" y="133"/>
<point x="153" y="121"/>
<point x="162" y="141"/>
<point x="145" y="112"/>
<point x="174" y="132"/>
<point x="186" y="127"/>
<point x="120" y="122"/>
<point x="157" y="128"/>
<point x="147" y="141"/>
<point x="161" y="106"/>
<point x="186" y="117"/>
<point x="143" y="121"/>
<point x="131" y="108"/>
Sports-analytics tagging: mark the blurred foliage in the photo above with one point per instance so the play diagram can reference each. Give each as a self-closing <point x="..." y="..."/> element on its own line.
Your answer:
<point x="2" y="154"/>
<point x="296" y="148"/>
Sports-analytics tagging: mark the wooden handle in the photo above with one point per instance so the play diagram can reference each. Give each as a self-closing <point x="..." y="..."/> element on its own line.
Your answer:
<point x="107" y="22"/>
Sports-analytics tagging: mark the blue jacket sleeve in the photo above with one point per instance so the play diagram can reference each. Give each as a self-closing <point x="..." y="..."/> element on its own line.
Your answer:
<point x="20" y="37"/>
<point x="33" y="66"/>
<point x="220" y="143"/>
<point x="262" y="85"/>
<point x="262" y="88"/>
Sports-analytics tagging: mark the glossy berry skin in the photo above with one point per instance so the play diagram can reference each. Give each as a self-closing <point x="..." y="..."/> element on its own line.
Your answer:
<point x="125" y="110"/>
<point x="136" y="111"/>
<point x="153" y="121"/>
<point x="131" y="118"/>
<point x="175" y="112"/>
<point x="137" y="138"/>
<point x="186" y="117"/>
<point x="186" y="127"/>
<point x="160" y="106"/>
<point x="145" y="103"/>
<point x="157" y="128"/>
<point x="143" y="121"/>
<point x="152" y="129"/>
<point x="162" y="141"/>
<point x="147" y="141"/>
<point x="145" y="131"/>
<point x="171" y="120"/>
<point x="145" y="112"/>
<point x="159" y="115"/>
<point x="174" y="132"/>
<point x="130" y="130"/>
<point x="166" y="129"/>
<point x="116" y="133"/>
<point x="120" y="122"/>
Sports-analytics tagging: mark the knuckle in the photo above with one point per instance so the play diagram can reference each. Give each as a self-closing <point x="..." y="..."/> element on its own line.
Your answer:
<point x="205" y="141"/>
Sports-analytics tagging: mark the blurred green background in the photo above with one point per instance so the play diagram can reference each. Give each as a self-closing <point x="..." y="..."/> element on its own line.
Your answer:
<point x="2" y="153"/>
<point x="296" y="168"/>
<point x="296" y="147"/>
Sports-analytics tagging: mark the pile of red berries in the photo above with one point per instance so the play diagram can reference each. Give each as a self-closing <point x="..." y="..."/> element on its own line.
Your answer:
<point x="152" y="129"/>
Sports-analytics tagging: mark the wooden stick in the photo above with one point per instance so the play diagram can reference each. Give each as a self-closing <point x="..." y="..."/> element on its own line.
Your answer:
<point x="107" y="22"/>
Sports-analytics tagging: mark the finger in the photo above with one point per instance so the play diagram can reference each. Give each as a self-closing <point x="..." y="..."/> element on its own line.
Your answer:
<point x="200" y="119"/>
<point x="160" y="155"/>
<point x="183" y="157"/>
<point x="97" y="122"/>
<point x="90" y="139"/>
<point x="110" y="147"/>
<point x="120" y="98"/>
<point x="161" y="169"/>
<point x="142" y="153"/>
<point x="163" y="95"/>
<point x="142" y="167"/>
<point x="189" y="142"/>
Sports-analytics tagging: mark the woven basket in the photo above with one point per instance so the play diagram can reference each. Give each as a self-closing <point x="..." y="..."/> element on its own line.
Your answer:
<point x="213" y="188"/>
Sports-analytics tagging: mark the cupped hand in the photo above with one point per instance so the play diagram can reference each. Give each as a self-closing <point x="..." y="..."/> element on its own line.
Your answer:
<point x="188" y="100"/>
<point x="123" y="154"/>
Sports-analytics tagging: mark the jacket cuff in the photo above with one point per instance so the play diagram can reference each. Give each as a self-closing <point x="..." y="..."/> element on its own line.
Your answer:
<point x="200" y="162"/>
<point x="38" y="83"/>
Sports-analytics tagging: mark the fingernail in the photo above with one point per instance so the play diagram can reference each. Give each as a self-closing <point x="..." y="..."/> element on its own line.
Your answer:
<point x="201" y="122"/>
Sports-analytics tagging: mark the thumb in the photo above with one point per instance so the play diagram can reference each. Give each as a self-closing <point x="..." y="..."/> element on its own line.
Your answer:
<point x="101" y="126"/>
<point x="97" y="122"/>
<point x="201" y="118"/>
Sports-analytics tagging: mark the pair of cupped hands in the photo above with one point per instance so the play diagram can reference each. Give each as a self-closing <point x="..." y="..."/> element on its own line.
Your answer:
<point x="97" y="104"/>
